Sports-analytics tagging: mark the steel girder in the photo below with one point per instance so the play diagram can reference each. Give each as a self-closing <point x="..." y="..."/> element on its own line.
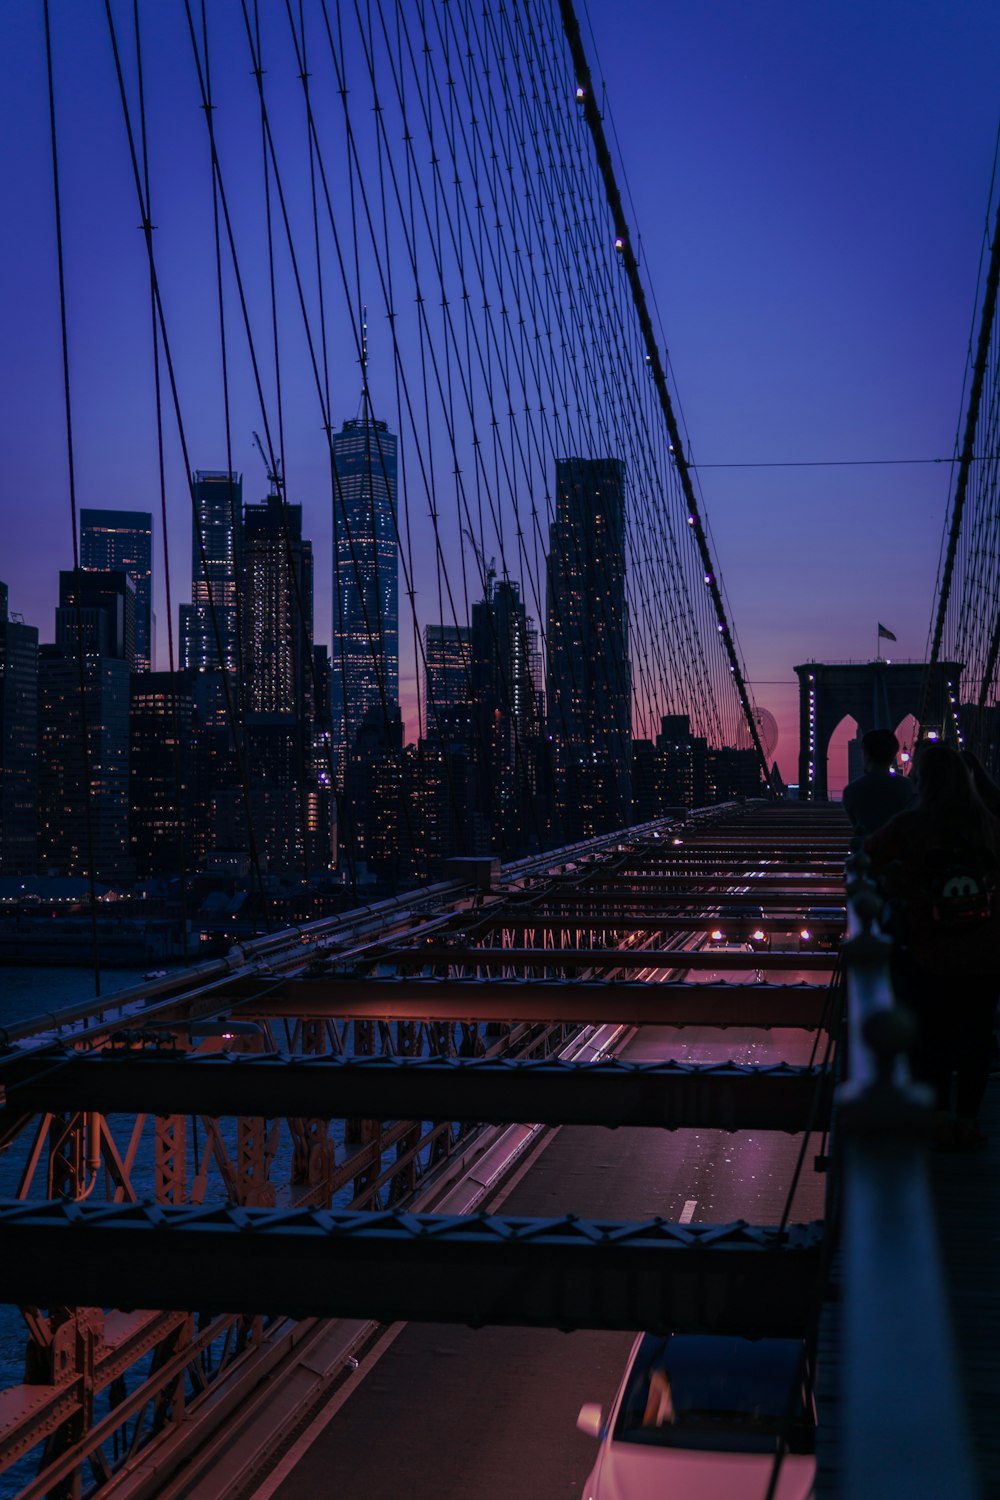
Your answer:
<point x="674" y="1095"/>
<point x="558" y="1273"/>
<point x="793" y="885"/>
<point x="734" y="866"/>
<point x="600" y="959"/>
<point x="628" y="898"/>
<point x="527" y="919"/>
<point x="630" y="1002"/>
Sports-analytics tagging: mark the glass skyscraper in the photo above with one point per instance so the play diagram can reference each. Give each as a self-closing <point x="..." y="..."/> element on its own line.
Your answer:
<point x="447" y="667"/>
<point x="83" y="775"/>
<point x="122" y="540"/>
<point x="589" y="686"/>
<point x="277" y="609"/>
<point x="364" y="667"/>
<point x="506" y="673"/>
<point x="218" y="500"/>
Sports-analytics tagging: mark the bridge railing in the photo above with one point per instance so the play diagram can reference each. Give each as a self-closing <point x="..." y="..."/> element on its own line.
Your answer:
<point x="899" y="1370"/>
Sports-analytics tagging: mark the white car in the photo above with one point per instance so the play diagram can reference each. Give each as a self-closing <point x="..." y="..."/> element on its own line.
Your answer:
<point x="701" y="1417"/>
<point x="718" y="944"/>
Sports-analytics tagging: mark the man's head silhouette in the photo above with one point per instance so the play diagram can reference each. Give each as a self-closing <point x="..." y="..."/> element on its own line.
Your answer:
<point x="880" y="748"/>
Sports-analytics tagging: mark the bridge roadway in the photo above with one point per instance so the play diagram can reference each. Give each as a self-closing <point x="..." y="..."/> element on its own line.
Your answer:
<point x="457" y="1413"/>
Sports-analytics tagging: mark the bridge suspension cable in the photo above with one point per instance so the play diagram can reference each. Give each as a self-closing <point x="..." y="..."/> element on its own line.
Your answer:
<point x="966" y="621"/>
<point x="624" y="246"/>
<point x="436" y="167"/>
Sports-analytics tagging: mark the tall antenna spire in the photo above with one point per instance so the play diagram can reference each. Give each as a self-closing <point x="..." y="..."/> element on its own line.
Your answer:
<point x="363" y="401"/>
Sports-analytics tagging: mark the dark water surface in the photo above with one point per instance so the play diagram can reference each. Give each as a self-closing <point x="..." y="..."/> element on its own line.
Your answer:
<point x="26" y="993"/>
<point x="32" y="990"/>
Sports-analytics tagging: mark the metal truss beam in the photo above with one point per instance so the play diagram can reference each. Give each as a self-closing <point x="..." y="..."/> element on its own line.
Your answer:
<point x="720" y="866"/>
<point x="763" y="845"/>
<point x="610" y="1092"/>
<point x="520" y="918"/>
<point x="627" y="1002"/>
<point x="558" y="1273"/>
<point x="790" y="884"/>
<point x="686" y="898"/>
<point x="600" y="959"/>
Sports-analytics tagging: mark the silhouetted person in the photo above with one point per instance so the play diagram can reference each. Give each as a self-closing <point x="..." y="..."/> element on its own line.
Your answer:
<point x="878" y="795"/>
<point x="939" y="861"/>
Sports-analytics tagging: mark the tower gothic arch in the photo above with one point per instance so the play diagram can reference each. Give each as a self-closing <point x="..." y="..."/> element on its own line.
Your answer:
<point x="876" y="694"/>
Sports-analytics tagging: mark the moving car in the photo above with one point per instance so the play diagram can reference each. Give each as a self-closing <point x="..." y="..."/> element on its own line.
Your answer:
<point x="722" y="945"/>
<point x="740" y="924"/>
<point x="702" y="1417"/>
<point x="823" y="928"/>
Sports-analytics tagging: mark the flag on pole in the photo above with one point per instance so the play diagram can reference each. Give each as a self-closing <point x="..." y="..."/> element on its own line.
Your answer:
<point x="885" y="634"/>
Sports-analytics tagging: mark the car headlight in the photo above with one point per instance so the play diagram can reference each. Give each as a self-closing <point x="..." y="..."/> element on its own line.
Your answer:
<point x="757" y="937"/>
<point x="716" y="936"/>
<point x="805" y="934"/>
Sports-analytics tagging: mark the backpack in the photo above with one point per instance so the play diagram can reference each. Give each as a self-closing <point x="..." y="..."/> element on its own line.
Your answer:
<point x="960" y="885"/>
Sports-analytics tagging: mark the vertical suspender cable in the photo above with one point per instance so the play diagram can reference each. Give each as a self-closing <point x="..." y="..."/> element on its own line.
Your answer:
<point x="77" y="581"/>
<point x="593" y="118"/>
<point x="965" y="460"/>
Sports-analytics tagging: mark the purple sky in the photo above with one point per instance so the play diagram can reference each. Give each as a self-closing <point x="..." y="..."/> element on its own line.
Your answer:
<point x="811" y="184"/>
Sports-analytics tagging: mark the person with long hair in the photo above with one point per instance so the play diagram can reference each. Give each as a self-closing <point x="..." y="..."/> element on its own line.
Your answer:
<point x="939" y="862"/>
<point x="983" y="782"/>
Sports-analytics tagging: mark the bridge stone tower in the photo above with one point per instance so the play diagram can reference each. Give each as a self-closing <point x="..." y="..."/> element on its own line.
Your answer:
<point x="878" y="694"/>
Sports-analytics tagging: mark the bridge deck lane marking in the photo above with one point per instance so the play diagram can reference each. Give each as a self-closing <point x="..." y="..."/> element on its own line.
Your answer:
<point x="452" y="1412"/>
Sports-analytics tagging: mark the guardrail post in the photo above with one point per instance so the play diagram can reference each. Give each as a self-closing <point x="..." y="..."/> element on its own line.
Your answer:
<point x="904" y="1424"/>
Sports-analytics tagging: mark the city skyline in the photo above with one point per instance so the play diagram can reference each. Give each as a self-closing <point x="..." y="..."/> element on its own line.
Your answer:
<point x="818" y="290"/>
<point x="237" y="761"/>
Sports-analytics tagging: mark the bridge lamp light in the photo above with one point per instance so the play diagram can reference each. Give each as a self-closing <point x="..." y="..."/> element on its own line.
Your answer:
<point x="619" y="243"/>
<point x="581" y="93"/>
<point x="223" y="1027"/>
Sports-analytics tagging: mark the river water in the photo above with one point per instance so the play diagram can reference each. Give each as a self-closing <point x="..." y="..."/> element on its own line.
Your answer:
<point x="27" y="993"/>
<point x="32" y="990"/>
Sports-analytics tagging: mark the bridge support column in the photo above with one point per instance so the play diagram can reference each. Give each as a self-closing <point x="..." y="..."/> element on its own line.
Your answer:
<point x="876" y="694"/>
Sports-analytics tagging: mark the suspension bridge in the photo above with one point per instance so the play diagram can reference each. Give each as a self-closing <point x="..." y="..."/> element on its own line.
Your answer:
<point x="595" y="1032"/>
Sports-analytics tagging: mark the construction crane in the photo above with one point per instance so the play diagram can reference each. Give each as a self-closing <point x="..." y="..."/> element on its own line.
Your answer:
<point x="273" y="478"/>
<point x="489" y="573"/>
